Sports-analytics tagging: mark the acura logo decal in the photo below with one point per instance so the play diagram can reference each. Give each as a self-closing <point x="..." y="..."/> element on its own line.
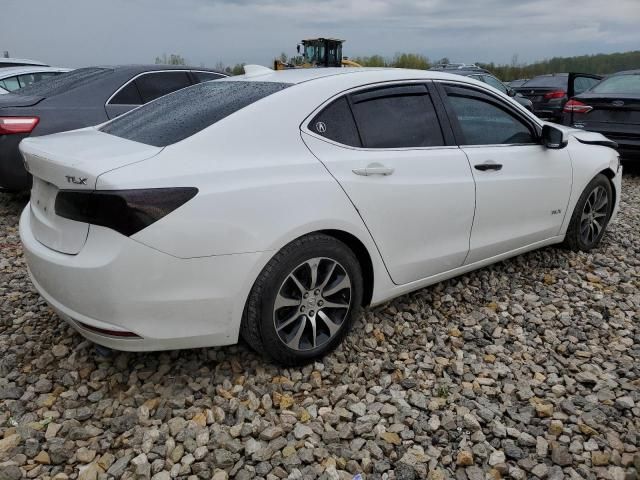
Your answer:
<point x="321" y="127"/>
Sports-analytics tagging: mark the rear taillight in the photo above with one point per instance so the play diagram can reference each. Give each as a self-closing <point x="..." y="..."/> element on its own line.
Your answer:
<point x="125" y="211"/>
<point x="11" y="125"/>
<point x="577" y="106"/>
<point x="556" y="94"/>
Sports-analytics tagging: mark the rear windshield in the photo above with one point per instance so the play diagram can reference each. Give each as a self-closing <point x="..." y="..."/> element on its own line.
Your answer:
<point x="619" y="84"/>
<point x="63" y="83"/>
<point x="551" y="81"/>
<point x="179" y="115"/>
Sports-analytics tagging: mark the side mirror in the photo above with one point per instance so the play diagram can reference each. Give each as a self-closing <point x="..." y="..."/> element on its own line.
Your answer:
<point x="553" y="137"/>
<point x="298" y="48"/>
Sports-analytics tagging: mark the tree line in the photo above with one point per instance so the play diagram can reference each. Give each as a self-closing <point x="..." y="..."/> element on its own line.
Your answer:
<point x="602" y="63"/>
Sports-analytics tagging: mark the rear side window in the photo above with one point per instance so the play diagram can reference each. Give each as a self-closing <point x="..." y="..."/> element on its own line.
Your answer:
<point x="177" y="116"/>
<point x="206" y="76"/>
<point x="156" y="85"/>
<point x="397" y="117"/>
<point x="29" y="78"/>
<point x="10" y="84"/>
<point x="129" y="95"/>
<point x="336" y="123"/>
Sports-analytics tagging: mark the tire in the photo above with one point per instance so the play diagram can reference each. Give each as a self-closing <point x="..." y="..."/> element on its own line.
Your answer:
<point x="585" y="215"/>
<point x="284" y="332"/>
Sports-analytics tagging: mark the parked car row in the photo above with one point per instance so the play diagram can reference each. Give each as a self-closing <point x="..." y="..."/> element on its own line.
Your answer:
<point x="81" y="98"/>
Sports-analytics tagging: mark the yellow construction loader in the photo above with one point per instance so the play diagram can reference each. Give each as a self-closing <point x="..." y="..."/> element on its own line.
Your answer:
<point x="318" y="52"/>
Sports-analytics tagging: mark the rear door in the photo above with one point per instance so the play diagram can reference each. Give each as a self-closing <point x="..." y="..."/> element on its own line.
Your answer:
<point x="412" y="187"/>
<point x="581" y="82"/>
<point x="145" y="88"/>
<point x="522" y="188"/>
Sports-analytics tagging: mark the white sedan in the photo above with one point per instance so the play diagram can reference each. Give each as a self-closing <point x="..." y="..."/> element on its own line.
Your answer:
<point x="14" y="78"/>
<point x="274" y="205"/>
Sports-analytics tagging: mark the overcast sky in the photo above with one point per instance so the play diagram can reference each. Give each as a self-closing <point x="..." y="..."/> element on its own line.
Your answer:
<point x="88" y="32"/>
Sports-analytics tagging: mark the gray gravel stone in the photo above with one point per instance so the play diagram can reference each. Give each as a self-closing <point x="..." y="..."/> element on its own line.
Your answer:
<point x="529" y="366"/>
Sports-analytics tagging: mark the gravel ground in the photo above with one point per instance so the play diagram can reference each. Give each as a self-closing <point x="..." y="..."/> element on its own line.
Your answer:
<point x="527" y="369"/>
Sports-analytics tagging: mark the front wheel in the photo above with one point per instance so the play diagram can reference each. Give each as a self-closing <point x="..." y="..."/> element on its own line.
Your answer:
<point x="591" y="215"/>
<point x="304" y="301"/>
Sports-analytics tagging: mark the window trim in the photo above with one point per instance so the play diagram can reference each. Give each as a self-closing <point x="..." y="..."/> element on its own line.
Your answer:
<point x="441" y="115"/>
<point x="133" y="79"/>
<point x="534" y="125"/>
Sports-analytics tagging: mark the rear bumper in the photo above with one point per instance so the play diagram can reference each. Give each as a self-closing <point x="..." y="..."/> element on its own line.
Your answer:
<point x="13" y="176"/>
<point x="118" y="284"/>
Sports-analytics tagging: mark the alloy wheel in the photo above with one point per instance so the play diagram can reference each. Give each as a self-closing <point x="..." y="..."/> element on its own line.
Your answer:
<point x="594" y="215"/>
<point x="312" y="304"/>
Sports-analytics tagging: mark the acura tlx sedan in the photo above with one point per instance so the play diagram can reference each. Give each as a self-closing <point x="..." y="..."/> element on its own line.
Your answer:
<point x="274" y="205"/>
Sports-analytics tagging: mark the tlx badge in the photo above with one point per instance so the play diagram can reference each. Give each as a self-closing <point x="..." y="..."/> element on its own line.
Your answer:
<point x="76" y="180"/>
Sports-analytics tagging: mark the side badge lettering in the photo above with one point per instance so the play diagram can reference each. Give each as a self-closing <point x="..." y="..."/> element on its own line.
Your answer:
<point x="76" y="181"/>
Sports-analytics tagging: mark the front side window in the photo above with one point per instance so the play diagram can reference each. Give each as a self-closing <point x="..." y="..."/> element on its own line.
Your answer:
<point x="397" y="117"/>
<point x="484" y="123"/>
<point x="158" y="84"/>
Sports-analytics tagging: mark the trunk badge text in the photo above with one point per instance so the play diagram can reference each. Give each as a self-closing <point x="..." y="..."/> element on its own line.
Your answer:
<point x="76" y="180"/>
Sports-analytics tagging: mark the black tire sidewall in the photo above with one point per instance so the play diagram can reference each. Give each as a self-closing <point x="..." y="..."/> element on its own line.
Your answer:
<point x="599" y="181"/>
<point x="323" y="246"/>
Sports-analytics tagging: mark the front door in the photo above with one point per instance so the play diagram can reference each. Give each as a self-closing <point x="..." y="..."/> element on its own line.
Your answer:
<point x="522" y="188"/>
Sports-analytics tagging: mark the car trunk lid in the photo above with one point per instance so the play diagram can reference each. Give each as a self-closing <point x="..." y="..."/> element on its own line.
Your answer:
<point x="72" y="161"/>
<point x="14" y="100"/>
<point x="610" y="108"/>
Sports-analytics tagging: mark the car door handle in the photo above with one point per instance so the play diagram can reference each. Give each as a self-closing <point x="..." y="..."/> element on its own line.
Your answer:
<point x="483" y="167"/>
<point x="373" y="169"/>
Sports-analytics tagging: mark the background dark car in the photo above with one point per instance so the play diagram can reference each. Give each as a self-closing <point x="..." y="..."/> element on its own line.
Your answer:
<point x="517" y="83"/>
<point x="612" y="107"/>
<point x="550" y="92"/>
<point x="84" y="97"/>
<point x="485" y="76"/>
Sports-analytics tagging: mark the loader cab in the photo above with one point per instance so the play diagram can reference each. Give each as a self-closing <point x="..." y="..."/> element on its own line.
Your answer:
<point x="322" y="52"/>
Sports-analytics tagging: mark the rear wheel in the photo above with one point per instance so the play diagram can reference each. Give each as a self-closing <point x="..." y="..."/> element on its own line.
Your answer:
<point x="304" y="301"/>
<point x="591" y="215"/>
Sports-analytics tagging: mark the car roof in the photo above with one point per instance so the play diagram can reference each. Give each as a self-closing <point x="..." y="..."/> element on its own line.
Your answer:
<point x="18" y="61"/>
<point x="302" y="75"/>
<point x="11" y="71"/>
<point x="467" y="73"/>
<point x="627" y="72"/>
<point x="139" y="68"/>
